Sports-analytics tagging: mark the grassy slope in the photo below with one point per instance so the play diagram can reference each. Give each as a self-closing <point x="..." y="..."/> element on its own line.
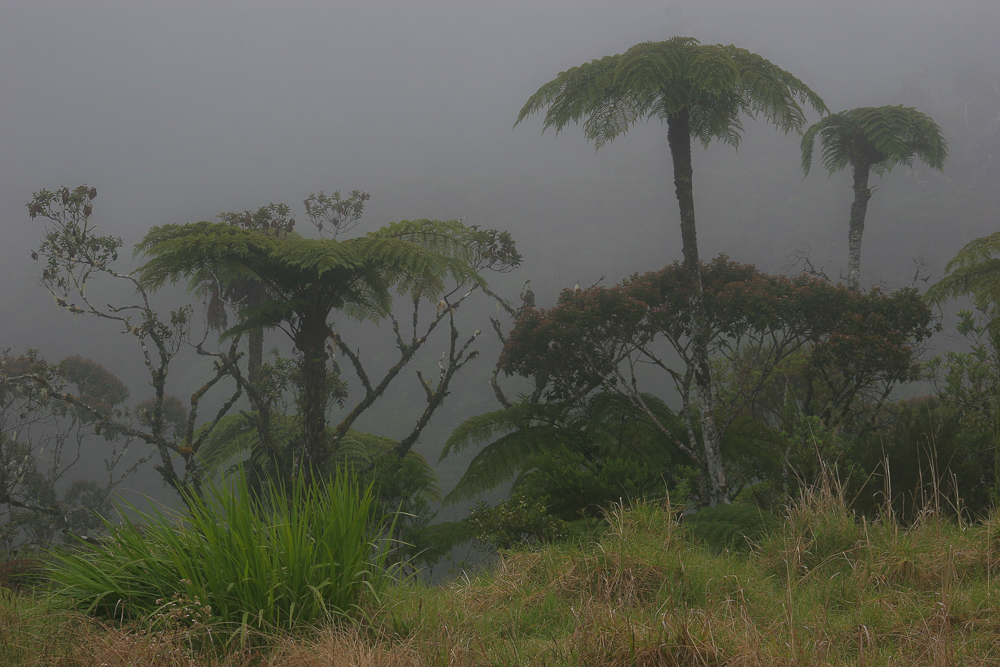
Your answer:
<point x="824" y="589"/>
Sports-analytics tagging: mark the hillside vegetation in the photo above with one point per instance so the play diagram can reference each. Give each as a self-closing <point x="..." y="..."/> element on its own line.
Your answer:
<point x="822" y="588"/>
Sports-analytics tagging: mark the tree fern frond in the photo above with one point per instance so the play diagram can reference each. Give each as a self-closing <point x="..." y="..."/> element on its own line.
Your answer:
<point x="428" y="476"/>
<point x="447" y="534"/>
<point x="359" y="450"/>
<point x="232" y="436"/>
<point x="974" y="271"/>
<point x="491" y="425"/>
<point x="570" y="96"/>
<point x="356" y="275"/>
<point x="502" y="459"/>
<point x="268" y="314"/>
<point x="607" y="423"/>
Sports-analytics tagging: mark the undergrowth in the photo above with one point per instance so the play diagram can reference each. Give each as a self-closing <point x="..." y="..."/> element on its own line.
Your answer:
<point x="823" y="587"/>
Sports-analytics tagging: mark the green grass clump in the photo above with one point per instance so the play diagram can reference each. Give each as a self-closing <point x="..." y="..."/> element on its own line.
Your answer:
<point x="292" y="557"/>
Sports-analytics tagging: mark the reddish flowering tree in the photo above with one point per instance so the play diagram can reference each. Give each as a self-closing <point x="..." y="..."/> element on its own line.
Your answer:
<point x="609" y="338"/>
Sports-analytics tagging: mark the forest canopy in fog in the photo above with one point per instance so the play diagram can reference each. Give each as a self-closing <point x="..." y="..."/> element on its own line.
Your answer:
<point x="496" y="316"/>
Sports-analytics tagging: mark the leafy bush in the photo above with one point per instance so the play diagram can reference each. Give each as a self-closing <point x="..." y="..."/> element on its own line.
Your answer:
<point x="732" y="527"/>
<point x="578" y="458"/>
<point x="22" y="574"/>
<point x="512" y="523"/>
<point x="286" y="558"/>
<point x="924" y="456"/>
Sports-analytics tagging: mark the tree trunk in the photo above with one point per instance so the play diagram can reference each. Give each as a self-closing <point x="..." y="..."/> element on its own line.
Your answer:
<point x="679" y="138"/>
<point x="310" y="340"/>
<point x="255" y="356"/>
<point x="255" y="296"/>
<point x="859" y="207"/>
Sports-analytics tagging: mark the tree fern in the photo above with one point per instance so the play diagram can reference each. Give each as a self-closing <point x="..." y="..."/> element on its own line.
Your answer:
<point x="491" y="425"/>
<point x="504" y="458"/>
<point x="233" y="436"/>
<point x="307" y="279"/>
<point x="871" y="140"/>
<point x="875" y="138"/>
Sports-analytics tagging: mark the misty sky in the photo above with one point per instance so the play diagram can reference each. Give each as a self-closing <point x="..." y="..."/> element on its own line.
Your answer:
<point x="177" y="111"/>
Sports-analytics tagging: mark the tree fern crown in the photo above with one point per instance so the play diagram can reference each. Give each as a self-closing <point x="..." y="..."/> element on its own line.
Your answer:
<point x="715" y="84"/>
<point x="875" y="138"/>
<point x="355" y="275"/>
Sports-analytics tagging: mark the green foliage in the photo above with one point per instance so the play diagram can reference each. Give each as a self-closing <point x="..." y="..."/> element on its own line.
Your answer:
<point x="641" y="592"/>
<point x="697" y="91"/>
<point x="714" y="83"/>
<point x="969" y="381"/>
<point x="784" y="348"/>
<point x="512" y="435"/>
<point x="513" y="523"/>
<point x="872" y="140"/>
<point x="731" y="527"/>
<point x="875" y="139"/>
<point x="973" y="272"/>
<point x="235" y="437"/>
<point x="757" y="322"/>
<point x="574" y="485"/>
<point x="281" y="562"/>
<point x="355" y="275"/>
<point x="576" y="460"/>
<point x="403" y="487"/>
<point x="305" y="280"/>
<point x="924" y="457"/>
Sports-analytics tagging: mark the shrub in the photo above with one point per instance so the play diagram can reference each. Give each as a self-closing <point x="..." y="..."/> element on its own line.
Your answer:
<point x="733" y="527"/>
<point x="513" y="523"/>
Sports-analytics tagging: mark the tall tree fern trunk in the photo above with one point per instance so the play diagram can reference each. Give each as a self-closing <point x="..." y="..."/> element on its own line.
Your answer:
<point x="859" y="208"/>
<point x="310" y="339"/>
<point x="679" y="138"/>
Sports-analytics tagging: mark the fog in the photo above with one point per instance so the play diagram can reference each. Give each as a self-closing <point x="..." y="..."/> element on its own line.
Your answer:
<point x="179" y="111"/>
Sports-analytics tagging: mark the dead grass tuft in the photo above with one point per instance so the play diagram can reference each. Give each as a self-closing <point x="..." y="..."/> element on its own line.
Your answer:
<point x="346" y="648"/>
